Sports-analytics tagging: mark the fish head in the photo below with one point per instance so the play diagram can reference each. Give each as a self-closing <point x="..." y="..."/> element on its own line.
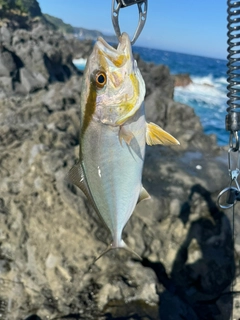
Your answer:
<point x="113" y="83"/>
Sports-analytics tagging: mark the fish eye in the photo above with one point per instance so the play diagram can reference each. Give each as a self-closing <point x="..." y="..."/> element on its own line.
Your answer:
<point x="101" y="79"/>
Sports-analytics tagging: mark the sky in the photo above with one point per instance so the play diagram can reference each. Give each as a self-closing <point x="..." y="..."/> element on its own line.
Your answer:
<point x="196" y="27"/>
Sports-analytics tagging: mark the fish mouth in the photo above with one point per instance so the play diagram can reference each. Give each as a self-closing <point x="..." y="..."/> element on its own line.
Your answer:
<point x="125" y="44"/>
<point x="102" y="44"/>
<point x="122" y="69"/>
<point x="118" y="56"/>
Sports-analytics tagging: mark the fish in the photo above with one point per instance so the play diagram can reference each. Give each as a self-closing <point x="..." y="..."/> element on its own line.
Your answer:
<point x="113" y="136"/>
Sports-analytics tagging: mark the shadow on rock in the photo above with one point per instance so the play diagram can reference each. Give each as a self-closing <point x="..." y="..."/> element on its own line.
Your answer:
<point x="198" y="286"/>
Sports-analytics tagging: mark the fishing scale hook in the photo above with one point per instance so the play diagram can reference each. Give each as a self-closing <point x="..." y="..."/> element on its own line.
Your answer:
<point x="232" y="120"/>
<point x="142" y="10"/>
<point x="232" y="193"/>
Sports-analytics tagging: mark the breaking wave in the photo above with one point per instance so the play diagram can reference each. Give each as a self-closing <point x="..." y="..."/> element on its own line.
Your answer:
<point x="80" y="63"/>
<point x="205" y="90"/>
<point x="207" y="95"/>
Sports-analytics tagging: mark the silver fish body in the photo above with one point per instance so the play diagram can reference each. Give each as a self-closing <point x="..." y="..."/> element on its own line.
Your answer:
<point x="113" y="136"/>
<point x="114" y="171"/>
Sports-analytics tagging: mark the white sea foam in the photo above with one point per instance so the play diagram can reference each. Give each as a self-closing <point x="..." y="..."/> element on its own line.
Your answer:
<point x="209" y="80"/>
<point x="80" y="63"/>
<point x="206" y="80"/>
<point x="222" y="80"/>
<point x="203" y="90"/>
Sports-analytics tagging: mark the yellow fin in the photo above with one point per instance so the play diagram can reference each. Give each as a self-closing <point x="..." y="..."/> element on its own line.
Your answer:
<point x="156" y="135"/>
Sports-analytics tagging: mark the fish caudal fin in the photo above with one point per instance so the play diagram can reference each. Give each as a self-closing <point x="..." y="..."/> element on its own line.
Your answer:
<point x="122" y="245"/>
<point x="156" y="135"/>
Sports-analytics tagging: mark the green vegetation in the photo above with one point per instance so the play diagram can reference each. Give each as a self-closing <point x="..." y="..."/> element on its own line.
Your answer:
<point x="59" y="24"/>
<point x="7" y="5"/>
<point x="28" y="7"/>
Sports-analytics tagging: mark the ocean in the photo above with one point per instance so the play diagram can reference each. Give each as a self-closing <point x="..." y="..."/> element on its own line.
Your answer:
<point x="206" y="95"/>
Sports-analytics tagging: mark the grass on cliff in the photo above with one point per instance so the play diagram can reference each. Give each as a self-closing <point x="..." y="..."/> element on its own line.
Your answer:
<point x="59" y="24"/>
<point x="23" y="7"/>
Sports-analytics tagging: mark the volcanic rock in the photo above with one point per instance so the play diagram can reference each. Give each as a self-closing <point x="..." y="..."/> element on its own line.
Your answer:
<point x="50" y="235"/>
<point x="34" y="58"/>
<point x="7" y="63"/>
<point x="182" y="80"/>
<point x="81" y="49"/>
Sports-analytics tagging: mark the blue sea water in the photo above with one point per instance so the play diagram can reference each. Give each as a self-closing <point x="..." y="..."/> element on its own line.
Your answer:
<point x="206" y="95"/>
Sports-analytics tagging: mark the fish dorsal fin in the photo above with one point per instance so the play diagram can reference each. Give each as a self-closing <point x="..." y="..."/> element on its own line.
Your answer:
<point x="125" y="135"/>
<point x="76" y="176"/>
<point x="144" y="195"/>
<point x="156" y="135"/>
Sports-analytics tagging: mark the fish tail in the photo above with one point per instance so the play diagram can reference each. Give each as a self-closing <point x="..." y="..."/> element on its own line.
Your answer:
<point x="121" y="245"/>
<point x="110" y="247"/>
<point x="128" y="249"/>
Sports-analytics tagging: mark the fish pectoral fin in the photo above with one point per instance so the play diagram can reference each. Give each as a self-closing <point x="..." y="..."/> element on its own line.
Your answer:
<point x="144" y="195"/>
<point x="125" y="135"/>
<point x="156" y="135"/>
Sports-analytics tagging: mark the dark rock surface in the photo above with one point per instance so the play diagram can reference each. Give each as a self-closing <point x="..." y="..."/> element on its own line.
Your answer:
<point x="34" y="58"/>
<point x="49" y="233"/>
<point x="82" y="48"/>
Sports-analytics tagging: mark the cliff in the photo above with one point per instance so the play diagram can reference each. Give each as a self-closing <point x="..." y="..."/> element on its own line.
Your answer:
<point x="79" y="32"/>
<point x="58" y="24"/>
<point x="25" y="7"/>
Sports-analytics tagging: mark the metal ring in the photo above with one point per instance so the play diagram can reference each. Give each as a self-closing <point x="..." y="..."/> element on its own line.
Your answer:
<point x="236" y="147"/>
<point x="221" y="194"/>
<point x="141" y="20"/>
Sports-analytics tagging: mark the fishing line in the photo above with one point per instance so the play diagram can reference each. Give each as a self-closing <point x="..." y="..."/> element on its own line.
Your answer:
<point x="233" y="245"/>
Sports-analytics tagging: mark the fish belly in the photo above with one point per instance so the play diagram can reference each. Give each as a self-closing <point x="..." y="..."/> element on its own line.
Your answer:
<point x="113" y="170"/>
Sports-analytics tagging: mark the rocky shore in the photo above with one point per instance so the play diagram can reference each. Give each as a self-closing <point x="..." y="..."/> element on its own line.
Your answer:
<point x="49" y="233"/>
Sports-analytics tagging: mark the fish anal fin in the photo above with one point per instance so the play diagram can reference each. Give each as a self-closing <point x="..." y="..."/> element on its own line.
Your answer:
<point x="156" y="135"/>
<point x="122" y="245"/>
<point x="125" y="135"/>
<point x="76" y="177"/>
<point x="144" y="195"/>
